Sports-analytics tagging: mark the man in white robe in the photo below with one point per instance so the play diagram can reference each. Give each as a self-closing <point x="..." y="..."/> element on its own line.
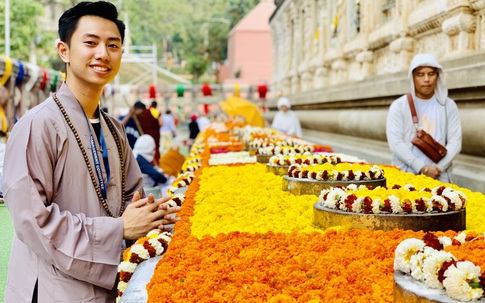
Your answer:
<point x="286" y="120"/>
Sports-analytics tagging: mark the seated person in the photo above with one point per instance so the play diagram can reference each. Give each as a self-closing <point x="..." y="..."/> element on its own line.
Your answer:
<point x="153" y="176"/>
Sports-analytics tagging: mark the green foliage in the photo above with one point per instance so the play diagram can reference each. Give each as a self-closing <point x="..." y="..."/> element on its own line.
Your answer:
<point x="192" y="30"/>
<point x="23" y="27"/>
<point x="197" y="66"/>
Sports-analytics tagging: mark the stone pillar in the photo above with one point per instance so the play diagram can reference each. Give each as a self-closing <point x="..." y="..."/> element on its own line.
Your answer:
<point x="478" y="6"/>
<point x="320" y="78"/>
<point x="366" y="60"/>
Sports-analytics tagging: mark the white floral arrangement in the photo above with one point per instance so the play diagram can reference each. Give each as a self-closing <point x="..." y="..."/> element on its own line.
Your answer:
<point x="442" y="199"/>
<point x="231" y="158"/>
<point x="427" y="262"/>
<point x="285" y="150"/>
<point x="154" y="244"/>
<point x="339" y="172"/>
<point x="306" y="158"/>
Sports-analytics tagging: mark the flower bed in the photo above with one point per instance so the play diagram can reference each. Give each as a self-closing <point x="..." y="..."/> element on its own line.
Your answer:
<point x="222" y="252"/>
<point x="241" y="238"/>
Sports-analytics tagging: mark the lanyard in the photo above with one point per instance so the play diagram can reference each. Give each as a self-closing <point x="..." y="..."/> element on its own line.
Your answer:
<point x="97" y="165"/>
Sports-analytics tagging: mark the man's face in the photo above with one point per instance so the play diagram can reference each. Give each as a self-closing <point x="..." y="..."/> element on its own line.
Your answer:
<point x="94" y="54"/>
<point x="425" y="79"/>
<point x="284" y="108"/>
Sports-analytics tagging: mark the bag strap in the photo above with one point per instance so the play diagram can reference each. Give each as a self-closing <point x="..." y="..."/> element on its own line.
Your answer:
<point x="413" y="109"/>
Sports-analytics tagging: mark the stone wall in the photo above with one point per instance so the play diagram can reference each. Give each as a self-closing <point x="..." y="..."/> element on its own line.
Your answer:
<point x="342" y="63"/>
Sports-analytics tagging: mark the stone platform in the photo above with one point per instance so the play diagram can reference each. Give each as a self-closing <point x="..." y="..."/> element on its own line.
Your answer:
<point x="299" y="186"/>
<point x="407" y="289"/>
<point x="453" y="220"/>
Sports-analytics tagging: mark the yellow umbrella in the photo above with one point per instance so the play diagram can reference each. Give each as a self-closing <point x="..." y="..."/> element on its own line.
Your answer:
<point x="235" y="106"/>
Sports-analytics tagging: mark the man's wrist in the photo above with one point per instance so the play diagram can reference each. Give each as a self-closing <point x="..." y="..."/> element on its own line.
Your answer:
<point x="424" y="170"/>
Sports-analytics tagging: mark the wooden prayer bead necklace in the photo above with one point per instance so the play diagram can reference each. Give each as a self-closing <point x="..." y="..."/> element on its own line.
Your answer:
<point x="88" y="163"/>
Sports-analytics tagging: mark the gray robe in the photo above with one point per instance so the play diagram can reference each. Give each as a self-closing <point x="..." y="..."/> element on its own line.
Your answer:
<point x="63" y="237"/>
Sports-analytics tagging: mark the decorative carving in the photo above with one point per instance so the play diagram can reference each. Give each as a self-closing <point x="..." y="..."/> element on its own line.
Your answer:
<point x="365" y="56"/>
<point x="477" y="5"/>
<point x="458" y="23"/>
<point x="402" y="44"/>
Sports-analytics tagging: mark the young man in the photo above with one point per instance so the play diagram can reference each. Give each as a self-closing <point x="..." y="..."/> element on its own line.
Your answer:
<point x="69" y="175"/>
<point x="437" y="115"/>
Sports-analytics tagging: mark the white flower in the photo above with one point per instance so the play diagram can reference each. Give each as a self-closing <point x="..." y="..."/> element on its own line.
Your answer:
<point x="127" y="267"/>
<point x="445" y="241"/>
<point x="408" y="186"/>
<point x="403" y="253"/>
<point x="357" y="205"/>
<point x="457" y="279"/>
<point x="377" y="171"/>
<point x="352" y="187"/>
<point x="322" y="194"/>
<point x="153" y="232"/>
<point x="376" y="206"/>
<point x="157" y="246"/>
<point x="122" y="286"/>
<point x="335" y="194"/>
<point x="395" y="204"/>
<point x="140" y="251"/>
<point x="461" y="237"/>
<point x="417" y="261"/>
<point x="432" y="265"/>
<point x="357" y="175"/>
<point x="440" y="200"/>
<point x="429" y="204"/>
<point x="319" y="175"/>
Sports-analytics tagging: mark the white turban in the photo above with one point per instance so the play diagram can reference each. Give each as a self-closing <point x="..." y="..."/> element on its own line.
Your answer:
<point x="441" y="91"/>
<point x="283" y="101"/>
<point x="145" y="147"/>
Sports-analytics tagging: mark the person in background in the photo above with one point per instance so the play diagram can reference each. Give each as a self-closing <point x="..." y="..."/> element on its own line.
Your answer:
<point x="193" y="130"/>
<point x="153" y="176"/>
<point x="149" y="125"/>
<point x="437" y="115"/>
<point x="167" y="131"/>
<point x="132" y="124"/>
<point x="286" y="120"/>
<point x="69" y="175"/>
<point x="154" y="109"/>
<point x="203" y="122"/>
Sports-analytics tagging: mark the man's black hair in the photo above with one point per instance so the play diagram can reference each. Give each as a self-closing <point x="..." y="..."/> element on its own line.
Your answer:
<point x="139" y="105"/>
<point x="168" y="112"/>
<point x="68" y="22"/>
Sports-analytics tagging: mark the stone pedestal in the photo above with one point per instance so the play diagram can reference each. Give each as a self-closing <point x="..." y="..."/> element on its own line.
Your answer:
<point x="454" y="220"/>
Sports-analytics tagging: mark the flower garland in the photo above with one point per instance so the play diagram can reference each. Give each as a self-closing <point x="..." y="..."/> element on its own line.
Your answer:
<point x="154" y="244"/>
<point x="183" y="180"/>
<point x="231" y="158"/>
<point x="339" y="172"/>
<point x="428" y="261"/>
<point x="383" y="200"/>
<point x="285" y="150"/>
<point x="305" y="159"/>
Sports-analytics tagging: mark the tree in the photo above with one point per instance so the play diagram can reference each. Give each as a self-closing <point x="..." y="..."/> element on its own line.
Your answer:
<point x="24" y="28"/>
<point x="197" y="66"/>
